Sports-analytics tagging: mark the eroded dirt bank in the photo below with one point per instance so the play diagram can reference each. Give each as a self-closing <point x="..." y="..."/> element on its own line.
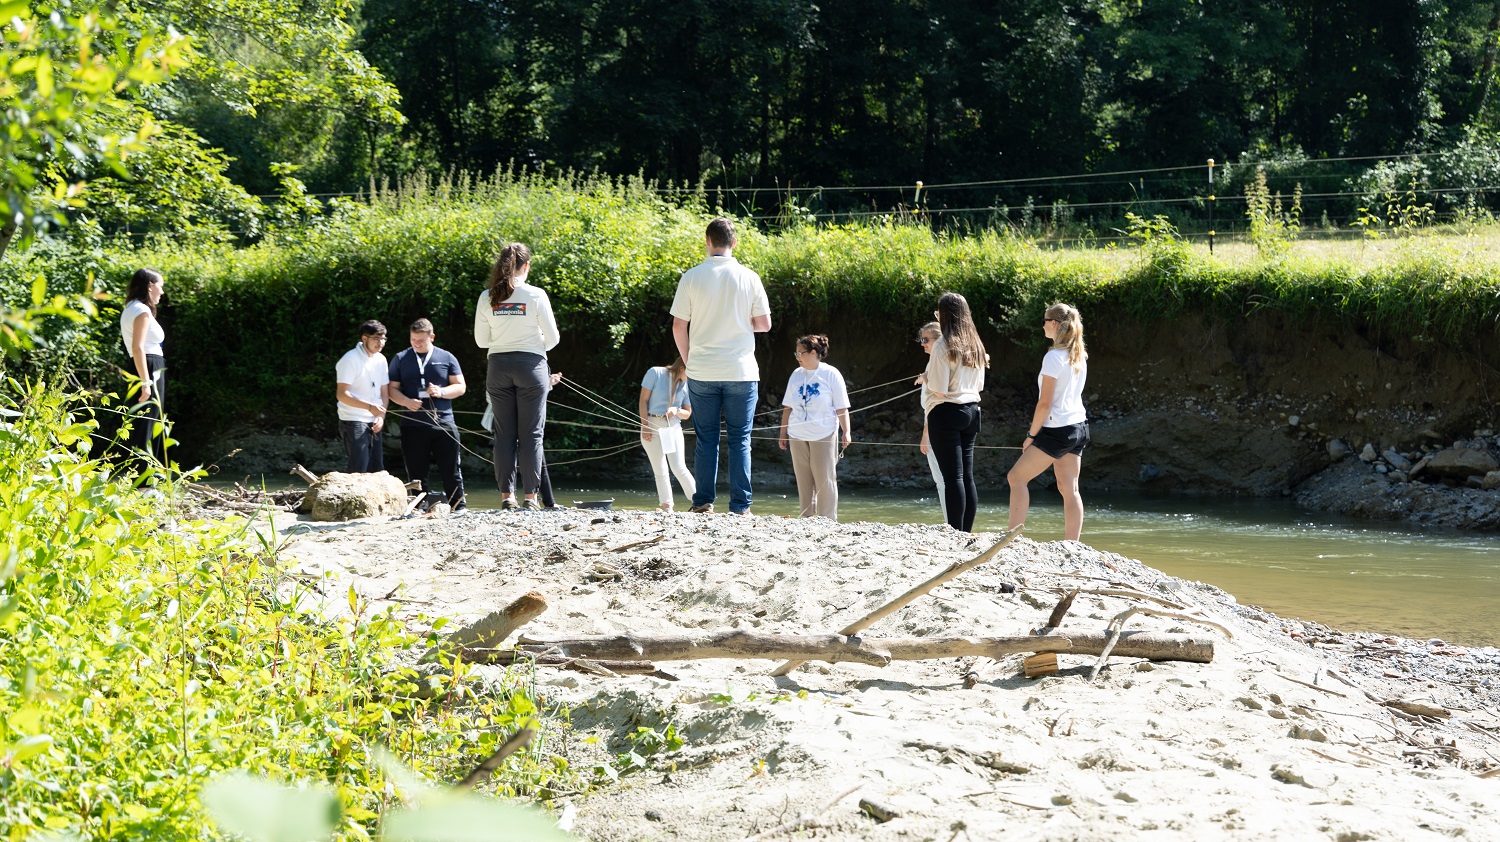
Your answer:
<point x="1262" y="405"/>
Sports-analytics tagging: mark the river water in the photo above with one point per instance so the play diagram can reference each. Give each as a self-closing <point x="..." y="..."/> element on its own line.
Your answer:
<point x="1349" y="574"/>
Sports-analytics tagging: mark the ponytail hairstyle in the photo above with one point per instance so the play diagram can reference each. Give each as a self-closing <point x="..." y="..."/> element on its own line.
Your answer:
<point x="140" y="288"/>
<point x="957" y="324"/>
<point x="677" y="372"/>
<point x="815" y="342"/>
<point x="1069" y="332"/>
<point x="512" y="258"/>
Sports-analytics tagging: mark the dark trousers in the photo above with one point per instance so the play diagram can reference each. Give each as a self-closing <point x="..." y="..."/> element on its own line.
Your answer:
<point x="544" y="494"/>
<point x="363" y="446"/>
<point x="422" y="445"/>
<point x="148" y="432"/>
<point x="952" y="429"/>
<point x="517" y="386"/>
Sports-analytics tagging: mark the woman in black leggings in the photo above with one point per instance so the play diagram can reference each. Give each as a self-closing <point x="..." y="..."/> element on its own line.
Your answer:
<point x="955" y="377"/>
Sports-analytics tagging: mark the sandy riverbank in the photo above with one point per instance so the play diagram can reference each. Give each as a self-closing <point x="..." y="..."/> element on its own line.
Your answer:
<point x="1283" y="736"/>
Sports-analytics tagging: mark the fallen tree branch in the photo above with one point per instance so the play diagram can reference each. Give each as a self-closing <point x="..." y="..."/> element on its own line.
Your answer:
<point x="832" y="648"/>
<point x="516" y="742"/>
<point x="953" y="571"/>
<point x="1118" y="623"/>
<point x="493" y="628"/>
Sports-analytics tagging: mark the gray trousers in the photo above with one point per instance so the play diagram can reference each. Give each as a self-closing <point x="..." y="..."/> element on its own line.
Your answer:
<point x="517" y="385"/>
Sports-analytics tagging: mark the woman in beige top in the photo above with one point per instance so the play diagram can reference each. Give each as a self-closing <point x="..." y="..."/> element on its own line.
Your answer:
<point x="955" y="377"/>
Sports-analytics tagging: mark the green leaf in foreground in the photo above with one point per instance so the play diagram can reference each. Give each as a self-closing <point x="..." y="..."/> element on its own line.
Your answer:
<point x="267" y="812"/>
<point x="469" y="818"/>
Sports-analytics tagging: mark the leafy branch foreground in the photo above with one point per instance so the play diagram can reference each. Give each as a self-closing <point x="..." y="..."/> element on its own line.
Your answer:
<point x="142" y="656"/>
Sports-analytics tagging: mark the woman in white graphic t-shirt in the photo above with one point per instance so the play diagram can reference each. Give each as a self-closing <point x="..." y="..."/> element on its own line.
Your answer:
<point x="814" y="419"/>
<point x="1059" y="429"/>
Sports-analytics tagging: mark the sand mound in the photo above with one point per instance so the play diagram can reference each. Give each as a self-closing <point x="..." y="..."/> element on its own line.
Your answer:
<point x="1286" y="735"/>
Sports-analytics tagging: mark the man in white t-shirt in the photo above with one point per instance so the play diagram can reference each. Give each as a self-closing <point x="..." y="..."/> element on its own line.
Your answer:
<point x="719" y="307"/>
<point x="362" y="376"/>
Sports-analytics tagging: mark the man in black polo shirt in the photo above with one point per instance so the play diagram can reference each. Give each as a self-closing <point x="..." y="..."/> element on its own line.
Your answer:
<point x="424" y="381"/>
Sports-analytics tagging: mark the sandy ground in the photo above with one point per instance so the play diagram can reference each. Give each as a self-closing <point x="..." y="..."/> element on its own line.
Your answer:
<point x="1283" y="736"/>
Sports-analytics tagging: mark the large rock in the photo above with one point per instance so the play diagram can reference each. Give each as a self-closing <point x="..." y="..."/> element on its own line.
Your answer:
<point x="1462" y="463"/>
<point x="339" y="496"/>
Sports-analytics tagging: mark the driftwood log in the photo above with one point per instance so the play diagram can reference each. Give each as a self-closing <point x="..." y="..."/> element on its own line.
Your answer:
<point x="494" y="627"/>
<point x="835" y="648"/>
<point x="953" y="571"/>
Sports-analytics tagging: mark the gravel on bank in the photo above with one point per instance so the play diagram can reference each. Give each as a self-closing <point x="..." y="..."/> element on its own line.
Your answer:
<point x="1294" y="731"/>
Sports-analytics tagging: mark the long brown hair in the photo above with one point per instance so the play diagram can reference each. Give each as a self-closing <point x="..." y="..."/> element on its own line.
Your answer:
<point x="503" y="275"/>
<point x="677" y="373"/>
<point x="959" y="333"/>
<point x="140" y="288"/>
<point x="1069" y="332"/>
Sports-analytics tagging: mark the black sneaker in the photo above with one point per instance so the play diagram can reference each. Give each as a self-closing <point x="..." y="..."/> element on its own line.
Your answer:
<point x="705" y="509"/>
<point x="509" y="503"/>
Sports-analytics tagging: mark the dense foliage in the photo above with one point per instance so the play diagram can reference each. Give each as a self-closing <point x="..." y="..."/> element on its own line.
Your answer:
<point x="143" y="653"/>
<point x="254" y="332"/>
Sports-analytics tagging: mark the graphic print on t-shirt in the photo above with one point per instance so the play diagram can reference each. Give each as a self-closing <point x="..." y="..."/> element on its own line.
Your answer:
<point x="517" y="308"/>
<point x="808" y="391"/>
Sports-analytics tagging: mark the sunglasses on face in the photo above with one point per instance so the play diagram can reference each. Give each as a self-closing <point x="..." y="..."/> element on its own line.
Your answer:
<point x="924" y="341"/>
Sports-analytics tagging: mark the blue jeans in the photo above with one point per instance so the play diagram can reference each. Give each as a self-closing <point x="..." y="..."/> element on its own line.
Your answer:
<point x="734" y="400"/>
<point x="363" y="447"/>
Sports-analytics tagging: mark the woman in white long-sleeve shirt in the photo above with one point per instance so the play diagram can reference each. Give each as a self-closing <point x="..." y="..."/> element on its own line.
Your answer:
<point x="955" y="377"/>
<point x="513" y="321"/>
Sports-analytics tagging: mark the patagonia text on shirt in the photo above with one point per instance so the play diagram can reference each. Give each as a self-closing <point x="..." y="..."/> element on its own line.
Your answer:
<point x="513" y="308"/>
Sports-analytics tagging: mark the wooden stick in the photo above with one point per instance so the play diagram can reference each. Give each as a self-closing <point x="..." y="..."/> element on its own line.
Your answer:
<point x="953" y="571"/>
<point x="304" y="474"/>
<point x="516" y="742"/>
<point x="804" y="820"/>
<point x="1061" y="611"/>
<point x="833" y="648"/>
<point x="493" y="627"/>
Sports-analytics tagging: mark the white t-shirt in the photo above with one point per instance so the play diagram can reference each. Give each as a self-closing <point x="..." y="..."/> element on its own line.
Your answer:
<point x="523" y="322"/>
<point x="154" y="334"/>
<point x="718" y="298"/>
<point x="815" y="397"/>
<point x="1067" y="397"/>
<point x="366" y="375"/>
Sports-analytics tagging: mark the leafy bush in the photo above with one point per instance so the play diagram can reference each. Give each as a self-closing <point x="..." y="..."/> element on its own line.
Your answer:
<point x="141" y="654"/>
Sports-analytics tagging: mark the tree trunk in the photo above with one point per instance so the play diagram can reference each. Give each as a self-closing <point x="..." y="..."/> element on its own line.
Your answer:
<point x="1487" y="70"/>
<point x="7" y="233"/>
<point x="835" y="648"/>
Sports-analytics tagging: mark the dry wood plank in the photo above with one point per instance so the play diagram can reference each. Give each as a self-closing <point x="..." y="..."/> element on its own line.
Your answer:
<point x="830" y="648"/>
<point x="951" y="572"/>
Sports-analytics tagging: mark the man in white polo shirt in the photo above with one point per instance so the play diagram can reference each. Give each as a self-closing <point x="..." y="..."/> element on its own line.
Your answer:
<point x="719" y="307"/>
<point x="362" y="375"/>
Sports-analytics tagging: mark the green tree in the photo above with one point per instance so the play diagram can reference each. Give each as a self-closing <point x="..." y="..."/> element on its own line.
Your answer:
<point x="64" y="67"/>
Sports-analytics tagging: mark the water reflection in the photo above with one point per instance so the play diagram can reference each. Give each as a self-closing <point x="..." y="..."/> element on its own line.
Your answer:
<point x="1354" y="575"/>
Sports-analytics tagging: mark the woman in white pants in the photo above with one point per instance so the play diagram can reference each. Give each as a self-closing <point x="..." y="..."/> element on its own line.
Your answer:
<point x="663" y="407"/>
<point x="925" y="337"/>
